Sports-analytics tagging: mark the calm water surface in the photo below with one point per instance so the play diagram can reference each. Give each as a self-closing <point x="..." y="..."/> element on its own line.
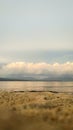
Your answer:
<point x="36" y="86"/>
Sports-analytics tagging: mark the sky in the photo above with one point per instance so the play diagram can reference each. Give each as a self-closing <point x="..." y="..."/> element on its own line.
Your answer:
<point x="36" y="31"/>
<point x="44" y="71"/>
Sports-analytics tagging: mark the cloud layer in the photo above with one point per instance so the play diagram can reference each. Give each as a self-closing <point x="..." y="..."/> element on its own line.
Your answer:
<point x="39" y="70"/>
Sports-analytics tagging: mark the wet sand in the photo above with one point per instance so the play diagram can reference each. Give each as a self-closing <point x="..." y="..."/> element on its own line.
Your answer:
<point x="36" y="111"/>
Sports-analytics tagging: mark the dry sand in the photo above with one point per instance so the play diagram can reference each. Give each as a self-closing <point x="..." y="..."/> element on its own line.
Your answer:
<point x="36" y="111"/>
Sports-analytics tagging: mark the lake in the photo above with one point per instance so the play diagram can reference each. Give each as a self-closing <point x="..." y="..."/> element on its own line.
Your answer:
<point x="36" y="86"/>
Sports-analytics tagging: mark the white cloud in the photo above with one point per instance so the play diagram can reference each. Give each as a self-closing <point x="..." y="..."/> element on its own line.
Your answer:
<point x="24" y="68"/>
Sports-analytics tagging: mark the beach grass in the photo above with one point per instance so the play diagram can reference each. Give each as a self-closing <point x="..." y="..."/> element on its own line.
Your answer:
<point x="36" y="111"/>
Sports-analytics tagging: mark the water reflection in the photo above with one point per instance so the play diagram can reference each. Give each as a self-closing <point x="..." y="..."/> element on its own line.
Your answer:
<point x="37" y="86"/>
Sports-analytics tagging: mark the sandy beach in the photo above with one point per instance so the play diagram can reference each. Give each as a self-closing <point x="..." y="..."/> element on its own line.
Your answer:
<point x="36" y="111"/>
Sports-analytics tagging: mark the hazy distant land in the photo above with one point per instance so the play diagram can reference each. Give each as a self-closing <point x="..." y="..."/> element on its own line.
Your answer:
<point x="37" y="79"/>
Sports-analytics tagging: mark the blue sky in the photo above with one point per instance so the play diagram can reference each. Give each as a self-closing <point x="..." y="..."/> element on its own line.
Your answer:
<point x="48" y="56"/>
<point x="36" y="30"/>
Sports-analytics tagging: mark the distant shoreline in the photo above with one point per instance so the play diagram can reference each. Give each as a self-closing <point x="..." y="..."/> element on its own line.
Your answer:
<point x="37" y="80"/>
